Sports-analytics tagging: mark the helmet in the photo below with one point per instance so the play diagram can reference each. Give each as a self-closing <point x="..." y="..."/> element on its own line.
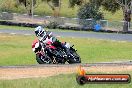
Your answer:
<point x="39" y="31"/>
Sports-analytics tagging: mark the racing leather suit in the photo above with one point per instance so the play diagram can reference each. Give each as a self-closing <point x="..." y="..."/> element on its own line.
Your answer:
<point x="55" y="42"/>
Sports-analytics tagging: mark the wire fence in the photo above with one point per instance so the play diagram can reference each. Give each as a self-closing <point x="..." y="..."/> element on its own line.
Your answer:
<point x="63" y="21"/>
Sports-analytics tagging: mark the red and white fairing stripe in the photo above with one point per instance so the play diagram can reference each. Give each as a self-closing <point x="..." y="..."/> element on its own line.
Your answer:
<point x="35" y="44"/>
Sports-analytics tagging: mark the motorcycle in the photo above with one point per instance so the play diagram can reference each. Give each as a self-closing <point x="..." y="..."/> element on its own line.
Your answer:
<point x="46" y="53"/>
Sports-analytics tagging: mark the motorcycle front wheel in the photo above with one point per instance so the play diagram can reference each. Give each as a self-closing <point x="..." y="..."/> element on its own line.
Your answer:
<point x="43" y="59"/>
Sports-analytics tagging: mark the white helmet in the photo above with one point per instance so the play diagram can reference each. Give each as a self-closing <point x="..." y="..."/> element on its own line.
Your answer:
<point x="39" y="31"/>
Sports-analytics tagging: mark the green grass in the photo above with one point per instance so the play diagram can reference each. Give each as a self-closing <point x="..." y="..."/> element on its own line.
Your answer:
<point x="2" y="27"/>
<point x="60" y="81"/>
<point x="16" y="50"/>
<point x="93" y="50"/>
<point x="15" y="27"/>
<point x="118" y="16"/>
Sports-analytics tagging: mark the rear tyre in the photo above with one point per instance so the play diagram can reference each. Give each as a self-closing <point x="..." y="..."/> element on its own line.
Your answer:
<point x="74" y="57"/>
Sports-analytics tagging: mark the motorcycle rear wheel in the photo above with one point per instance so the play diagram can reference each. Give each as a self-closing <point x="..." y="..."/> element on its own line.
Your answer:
<point x="75" y="59"/>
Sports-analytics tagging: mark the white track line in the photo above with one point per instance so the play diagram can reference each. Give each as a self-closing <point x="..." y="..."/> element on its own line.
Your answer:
<point x="16" y="33"/>
<point x="12" y="33"/>
<point x="58" y="36"/>
<point x="27" y="34"/>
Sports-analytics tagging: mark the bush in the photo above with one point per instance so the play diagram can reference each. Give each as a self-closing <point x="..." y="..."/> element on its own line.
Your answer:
<point x="52" y="25"/>
<point x="7" y="5"/>
<point x="18" y="24"/>
<point x="6" y="16"/>
<point x="89" y="10"/>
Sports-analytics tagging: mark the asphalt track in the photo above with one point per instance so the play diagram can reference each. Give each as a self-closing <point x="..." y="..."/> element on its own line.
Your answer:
<point x="106" y="36"/>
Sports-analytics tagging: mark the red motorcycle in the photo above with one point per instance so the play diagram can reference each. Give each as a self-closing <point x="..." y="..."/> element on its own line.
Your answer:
<point x="46" y="53"/>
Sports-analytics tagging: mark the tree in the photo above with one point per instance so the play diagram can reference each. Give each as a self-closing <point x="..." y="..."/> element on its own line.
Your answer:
<point x="89" y="10"/>
<point x="72" y="3"/>
<point x="126" y="7"/>
<point x="55" y="5"/>
<point x="7" y="5"/>
<point x="28" y="5"/>
<point x="114" y="5"/>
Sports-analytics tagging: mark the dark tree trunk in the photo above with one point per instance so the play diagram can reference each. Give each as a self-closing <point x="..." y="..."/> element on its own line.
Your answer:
<point x="30" y="12"/>
<point x="127" y="20"/>
<point x="125" y="27"/>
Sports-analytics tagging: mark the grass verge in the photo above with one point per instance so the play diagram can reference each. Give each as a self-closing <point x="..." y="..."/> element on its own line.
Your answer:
<point x="59" y="81"/>
<point x="16" y="50"/>
<point x="2" y="27"/>
<point x="15" y="27"/>
<point x="6" y="27"/>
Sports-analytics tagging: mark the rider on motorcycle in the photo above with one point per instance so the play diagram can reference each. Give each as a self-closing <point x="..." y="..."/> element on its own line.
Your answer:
<point x="46" y="36"/>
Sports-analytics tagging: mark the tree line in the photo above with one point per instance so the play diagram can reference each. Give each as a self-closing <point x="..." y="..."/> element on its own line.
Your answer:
<point x="87" y="8"/>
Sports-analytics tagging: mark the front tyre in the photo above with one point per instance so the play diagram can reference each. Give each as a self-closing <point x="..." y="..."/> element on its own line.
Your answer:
<point x="43" y="59"/>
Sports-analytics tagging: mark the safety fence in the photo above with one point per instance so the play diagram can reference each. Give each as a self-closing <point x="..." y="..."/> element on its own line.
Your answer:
<point x="64" y="22"/>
